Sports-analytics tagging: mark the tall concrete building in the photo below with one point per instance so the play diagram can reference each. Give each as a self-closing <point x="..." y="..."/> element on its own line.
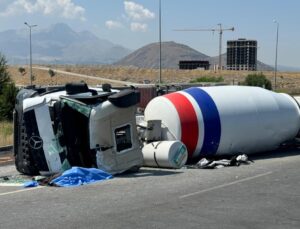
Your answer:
<point x="242" y="55"/>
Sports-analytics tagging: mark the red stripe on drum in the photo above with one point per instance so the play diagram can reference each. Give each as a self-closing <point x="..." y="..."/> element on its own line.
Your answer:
<point x="188" y="121"/>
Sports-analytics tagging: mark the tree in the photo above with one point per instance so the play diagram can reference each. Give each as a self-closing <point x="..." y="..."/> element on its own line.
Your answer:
<point x="22" y="71"/>
<point x="4" y="74"/>
<point x="258" y="80"/>
<point x="51" y="72"/>
<point x="7" y="101"/>
<point x="8" y="91"/>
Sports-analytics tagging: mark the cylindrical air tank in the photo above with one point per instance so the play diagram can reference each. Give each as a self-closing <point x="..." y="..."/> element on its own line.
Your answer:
<point x="165" y="154"/>
<point x="226" y="119"/>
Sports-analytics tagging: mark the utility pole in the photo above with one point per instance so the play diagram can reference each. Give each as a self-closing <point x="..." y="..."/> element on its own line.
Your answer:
<point x="220" y="45"/>
<point x="276" y="54"/>
<point x="30" y="49"/>
<point x="220" y="30"/>
<point x="159" y="81"/>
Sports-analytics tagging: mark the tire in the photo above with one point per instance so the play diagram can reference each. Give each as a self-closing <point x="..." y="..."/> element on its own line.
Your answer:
<point x="23" y="157"/>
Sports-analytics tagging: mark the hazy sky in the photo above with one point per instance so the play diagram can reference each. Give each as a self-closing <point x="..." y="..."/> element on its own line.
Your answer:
<point x="135" y="23"/>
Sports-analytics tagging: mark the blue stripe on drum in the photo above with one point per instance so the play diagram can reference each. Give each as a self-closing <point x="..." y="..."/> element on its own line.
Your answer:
<point x="211" y="120"/>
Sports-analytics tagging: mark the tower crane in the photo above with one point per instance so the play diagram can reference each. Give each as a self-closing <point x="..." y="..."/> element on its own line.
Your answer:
<point x="220" y="29"/>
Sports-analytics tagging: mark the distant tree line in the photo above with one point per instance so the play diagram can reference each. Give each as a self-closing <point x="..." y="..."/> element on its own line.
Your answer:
<point x="208" y="79"/>
<point x="8" y="91"/>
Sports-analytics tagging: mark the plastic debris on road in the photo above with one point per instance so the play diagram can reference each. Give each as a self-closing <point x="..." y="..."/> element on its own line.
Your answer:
<point x="77" y="176"/>
<point x="30" y="184"/>
<point x="216" y="164"/>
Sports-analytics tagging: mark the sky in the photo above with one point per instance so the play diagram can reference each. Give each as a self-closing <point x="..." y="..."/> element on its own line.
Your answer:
<point x="135" y="23"/>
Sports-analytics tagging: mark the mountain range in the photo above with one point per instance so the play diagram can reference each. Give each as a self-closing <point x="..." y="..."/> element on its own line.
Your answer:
<point x="62" y="45"/>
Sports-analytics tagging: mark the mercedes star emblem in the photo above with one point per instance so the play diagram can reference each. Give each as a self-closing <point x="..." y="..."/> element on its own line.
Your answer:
<point x="35" y="142"/>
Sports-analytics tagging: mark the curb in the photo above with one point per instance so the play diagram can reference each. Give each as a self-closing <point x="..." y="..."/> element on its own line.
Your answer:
<point x="6" y="149"/>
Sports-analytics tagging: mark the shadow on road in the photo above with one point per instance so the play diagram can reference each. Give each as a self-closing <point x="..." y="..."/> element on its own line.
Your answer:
<point x="146" y="172"/>
<point x="281" y="153"/>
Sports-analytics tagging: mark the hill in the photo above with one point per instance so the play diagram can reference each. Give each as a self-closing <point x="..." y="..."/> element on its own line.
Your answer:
<point x="148" y="57"/>
<point x="59" y="43"/>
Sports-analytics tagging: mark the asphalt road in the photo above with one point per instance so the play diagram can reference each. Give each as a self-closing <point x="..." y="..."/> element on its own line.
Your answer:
<point x="265" y="194"/>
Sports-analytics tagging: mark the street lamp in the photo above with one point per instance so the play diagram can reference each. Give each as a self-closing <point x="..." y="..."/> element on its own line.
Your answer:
<point x="275" y="71"/>
<point x="30" y="49"/>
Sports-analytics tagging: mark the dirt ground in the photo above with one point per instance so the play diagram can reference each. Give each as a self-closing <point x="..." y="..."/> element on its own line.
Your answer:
<point x="286" y="81"/>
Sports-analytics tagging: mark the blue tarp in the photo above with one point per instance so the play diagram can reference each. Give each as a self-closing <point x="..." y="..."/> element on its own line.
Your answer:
<point x="77" y="176"/>
<point x="30" y="184"/>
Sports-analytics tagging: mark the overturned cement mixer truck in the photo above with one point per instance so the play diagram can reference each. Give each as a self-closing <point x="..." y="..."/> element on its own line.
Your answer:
<point x="79" y="126"/>
<point x="226" y="120"/>
<point x="76" y="126"/>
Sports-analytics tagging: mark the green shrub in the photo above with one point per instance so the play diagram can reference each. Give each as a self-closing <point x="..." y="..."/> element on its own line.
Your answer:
<point x="208" y="79"/>
<point x="258" y="80"/>
<point x="51" y="73"/>
<point x="22" y="70"/>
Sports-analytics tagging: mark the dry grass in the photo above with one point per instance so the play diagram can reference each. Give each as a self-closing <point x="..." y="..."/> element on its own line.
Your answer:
<point x="43" y="78"/>
<point x="6" y="133"/>
<point x="286" y="81"/>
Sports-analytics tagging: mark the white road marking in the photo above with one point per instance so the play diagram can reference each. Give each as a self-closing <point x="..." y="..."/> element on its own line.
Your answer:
<point x="224" y="185"/>
<point x="10" y="185"/>
<point x="22" y="190"/>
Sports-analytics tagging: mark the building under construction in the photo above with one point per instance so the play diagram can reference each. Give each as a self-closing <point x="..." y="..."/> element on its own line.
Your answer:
<point x="242" y="55"/>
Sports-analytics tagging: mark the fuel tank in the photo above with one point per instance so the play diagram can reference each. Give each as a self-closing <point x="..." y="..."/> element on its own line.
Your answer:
<point x="225" y="120"/>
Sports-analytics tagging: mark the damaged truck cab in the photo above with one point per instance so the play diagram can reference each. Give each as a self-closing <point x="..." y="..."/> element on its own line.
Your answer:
<point x="76" y="126"/>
